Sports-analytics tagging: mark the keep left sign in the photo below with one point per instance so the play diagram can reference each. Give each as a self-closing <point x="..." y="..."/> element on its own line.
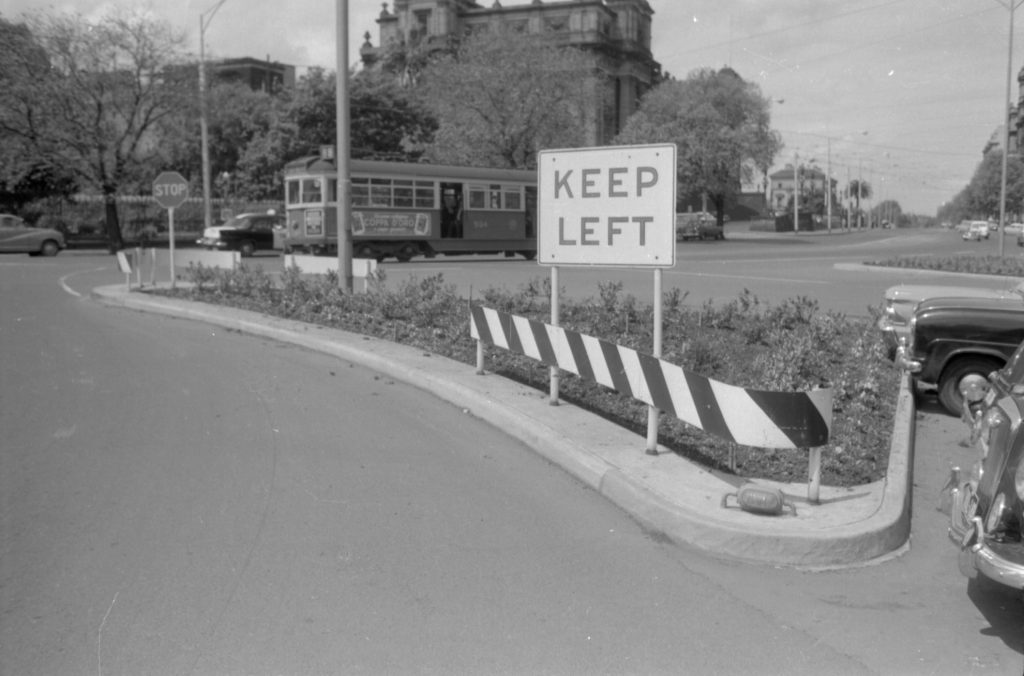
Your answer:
<point x="609" y="206"/>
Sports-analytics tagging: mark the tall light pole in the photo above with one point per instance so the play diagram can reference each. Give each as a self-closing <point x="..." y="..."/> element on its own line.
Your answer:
<point x="204" y="21"/>
<point x="342" y="155"/>
<point x="796" y="194"/>
<point x="1011" y="5"/>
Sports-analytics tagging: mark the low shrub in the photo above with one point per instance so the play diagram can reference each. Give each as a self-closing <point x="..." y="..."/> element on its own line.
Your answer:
<point x="793" y="346"/>
<point x="1010" y="266"/>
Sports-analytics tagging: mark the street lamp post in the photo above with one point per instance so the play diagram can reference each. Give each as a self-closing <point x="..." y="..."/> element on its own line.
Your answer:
<point x="1011" y="5"/>
<point x="204" y="22"/>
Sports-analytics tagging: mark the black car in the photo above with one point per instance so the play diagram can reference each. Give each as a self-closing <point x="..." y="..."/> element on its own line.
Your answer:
<point x="953" y="344"/>
<point x="987" y="506"/>
<point x="246" y="233"/>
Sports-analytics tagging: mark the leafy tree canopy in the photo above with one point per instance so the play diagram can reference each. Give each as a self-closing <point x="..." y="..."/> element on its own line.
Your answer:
<point x="501" y="97"/>
<point x="720" y="125"/>
<point x="387" y="122"/>
<point x="86" y="98"/>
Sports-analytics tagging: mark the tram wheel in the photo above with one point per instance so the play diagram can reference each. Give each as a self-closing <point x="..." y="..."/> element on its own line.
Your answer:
<point x="405" y="253"/>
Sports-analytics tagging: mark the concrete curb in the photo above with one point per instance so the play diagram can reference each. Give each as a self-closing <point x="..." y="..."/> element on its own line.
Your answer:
<point x="665" y="493"/>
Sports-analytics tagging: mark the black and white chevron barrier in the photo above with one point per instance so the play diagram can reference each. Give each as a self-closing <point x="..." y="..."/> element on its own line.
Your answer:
<point x="744" y="416"/>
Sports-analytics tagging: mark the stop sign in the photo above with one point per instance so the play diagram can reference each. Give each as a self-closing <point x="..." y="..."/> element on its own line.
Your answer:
<point x="170" y="189"/>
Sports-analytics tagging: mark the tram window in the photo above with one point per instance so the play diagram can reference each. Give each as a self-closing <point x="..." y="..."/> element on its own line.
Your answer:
<point x="332" y="190"/>
<point x="311" y="193"/>
<point x="403" y="193"/>
<point x="380" y="192"/>
<point x="360" y="192"/>
<point x="424" y="195"/>
<point x="293" y="192"/>
<point x="513" y="200"/>
<point x="496" y="197"/>
<point x="477" y="198"/>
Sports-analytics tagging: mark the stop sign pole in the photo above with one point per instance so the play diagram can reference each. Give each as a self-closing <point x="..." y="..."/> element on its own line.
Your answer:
<point x="170" y="190"/>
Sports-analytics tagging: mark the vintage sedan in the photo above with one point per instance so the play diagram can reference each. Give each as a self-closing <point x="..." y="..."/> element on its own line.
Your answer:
<point x="901" y="300"/>
<point x="245" y="233"/>
<point x="16" y="236"/>
<point x="987" y="505"/>
<point x="978" y="231"/>
<point x="955" y="343"/>
<point x="698" y="225"/>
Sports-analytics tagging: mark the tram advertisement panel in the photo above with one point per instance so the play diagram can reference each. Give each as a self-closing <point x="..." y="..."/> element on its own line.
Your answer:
<point x="389" y="224"/>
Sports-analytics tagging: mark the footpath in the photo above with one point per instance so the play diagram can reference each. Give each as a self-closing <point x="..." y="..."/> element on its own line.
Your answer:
<point x="668" y="495"/>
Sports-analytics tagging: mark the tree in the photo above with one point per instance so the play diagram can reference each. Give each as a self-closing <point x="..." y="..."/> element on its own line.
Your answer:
<point x="93" y="104"/>
<point x="720" y="125"/>
<point x="387" y="121"/>
<point x="859" y="189"/>
<point x="888" y="210"/>
<point x="984" y="191"/>
<point x="501" y="97"/>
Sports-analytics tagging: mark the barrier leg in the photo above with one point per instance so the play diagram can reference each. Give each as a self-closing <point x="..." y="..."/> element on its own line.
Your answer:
<point x="479" y="357"/>
<point x="814" y="475"/>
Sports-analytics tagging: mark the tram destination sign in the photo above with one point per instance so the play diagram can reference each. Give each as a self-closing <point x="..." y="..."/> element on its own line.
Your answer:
<point x="612" y="206"/>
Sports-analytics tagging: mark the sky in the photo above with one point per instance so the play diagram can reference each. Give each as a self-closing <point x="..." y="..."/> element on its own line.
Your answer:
<point x="903" y="94"/>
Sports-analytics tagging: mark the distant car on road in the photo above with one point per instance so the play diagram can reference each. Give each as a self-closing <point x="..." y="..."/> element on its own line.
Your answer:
<point x="16" y="236"/>
<point x="978" y="231"/>
<point x="246" y="233"/>
<point x="698" y="225"/>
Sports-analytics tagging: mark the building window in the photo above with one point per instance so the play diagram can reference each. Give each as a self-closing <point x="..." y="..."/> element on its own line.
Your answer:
<point x="421" y="22"/>
<point x="556" y="24"/>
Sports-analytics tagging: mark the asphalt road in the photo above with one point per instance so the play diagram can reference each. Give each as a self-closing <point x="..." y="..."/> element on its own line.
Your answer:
<point x="178" y="499"/>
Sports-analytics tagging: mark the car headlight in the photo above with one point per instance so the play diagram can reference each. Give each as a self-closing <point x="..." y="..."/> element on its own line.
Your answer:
<point x="977" y="472"/>
<point x="993" y="422"/>
<point x="995" y="513"/>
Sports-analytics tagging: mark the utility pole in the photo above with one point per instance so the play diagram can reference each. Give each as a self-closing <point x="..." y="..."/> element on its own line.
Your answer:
<point x="828" y="183"/>
<point x="344" y="215"/>
<point x="796" y="195"/>
<point x="1011" y="5"/>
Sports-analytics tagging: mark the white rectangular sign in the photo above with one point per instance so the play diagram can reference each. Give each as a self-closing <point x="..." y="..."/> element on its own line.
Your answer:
<point x="609" y="206"/>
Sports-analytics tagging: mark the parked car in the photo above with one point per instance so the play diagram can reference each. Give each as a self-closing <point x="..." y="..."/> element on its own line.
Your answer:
<point x="901" y="300"/>
<point x="955" y="343"/>
<point x="987" y="505"/>
<point x="698" y="225"/>
<point x="978" y="231"/>
<point x="1014" y="229"/>
<point x="17" y="236"/>
<point x="246" y="233"/>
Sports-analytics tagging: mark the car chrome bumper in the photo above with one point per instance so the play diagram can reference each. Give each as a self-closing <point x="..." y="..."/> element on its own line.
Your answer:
<point x="904" y="362"/>
<point x="968" y="532"/>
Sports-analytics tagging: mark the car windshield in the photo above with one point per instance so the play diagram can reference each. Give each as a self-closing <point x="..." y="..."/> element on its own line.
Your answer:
<point x="238" y="222"/>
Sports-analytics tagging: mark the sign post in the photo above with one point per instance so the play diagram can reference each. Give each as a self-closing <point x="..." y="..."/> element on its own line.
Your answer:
<point x="170" y="190"/>
<point x="614" y="207"/>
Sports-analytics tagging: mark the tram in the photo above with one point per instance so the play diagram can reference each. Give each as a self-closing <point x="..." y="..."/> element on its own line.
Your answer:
<point x="402" y="209"/>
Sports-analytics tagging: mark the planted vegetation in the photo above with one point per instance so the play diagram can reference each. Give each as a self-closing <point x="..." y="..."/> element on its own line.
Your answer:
<point x="792" y="346"/>
<point x="1009" y="266"/>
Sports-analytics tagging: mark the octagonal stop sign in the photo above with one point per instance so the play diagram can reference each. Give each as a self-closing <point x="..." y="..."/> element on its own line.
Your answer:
<point x="170" y="189"/>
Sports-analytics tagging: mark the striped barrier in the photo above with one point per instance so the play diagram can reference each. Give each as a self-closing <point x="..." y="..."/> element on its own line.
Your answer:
<point x="748" y="417"/>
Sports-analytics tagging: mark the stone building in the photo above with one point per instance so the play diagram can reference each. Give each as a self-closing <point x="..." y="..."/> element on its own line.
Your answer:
<point x="616" y="32"/>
